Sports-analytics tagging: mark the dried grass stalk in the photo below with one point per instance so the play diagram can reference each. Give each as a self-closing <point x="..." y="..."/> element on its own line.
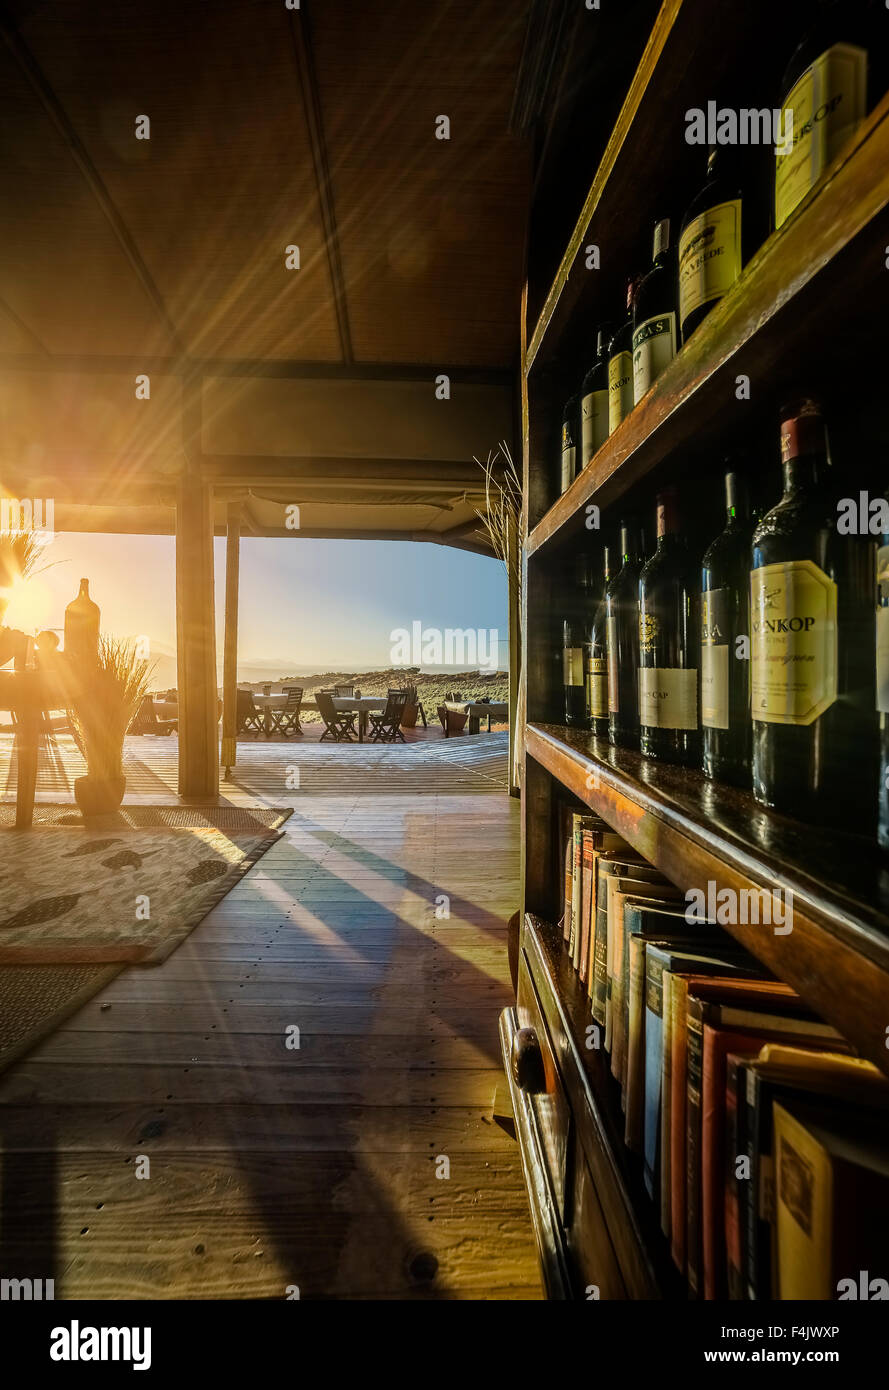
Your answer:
<point x="103" y="698"/>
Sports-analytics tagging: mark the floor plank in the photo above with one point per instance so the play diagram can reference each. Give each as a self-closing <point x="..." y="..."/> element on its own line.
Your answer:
<point x="373" y="1161"/>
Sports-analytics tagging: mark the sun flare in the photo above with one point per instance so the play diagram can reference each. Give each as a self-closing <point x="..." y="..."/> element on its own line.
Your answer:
<point x="30" y="605"/>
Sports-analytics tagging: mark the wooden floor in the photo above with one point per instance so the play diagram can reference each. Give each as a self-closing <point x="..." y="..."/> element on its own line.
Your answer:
<point x="321" y="1167"/>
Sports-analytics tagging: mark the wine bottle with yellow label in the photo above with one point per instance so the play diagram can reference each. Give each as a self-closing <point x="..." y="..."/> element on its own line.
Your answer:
<point x="654" y="315"/>
<point x="669" y="644"/>
<point x="725" y="637"/>
<point x="825" y="95"/>
<point x="710" y="243"/>
<point x="576" y="642"/>
<point x="594" y="427"/>
<point x="811" y="649"/>
<point x="569" y="443"/>
<point x="620" y="366"/>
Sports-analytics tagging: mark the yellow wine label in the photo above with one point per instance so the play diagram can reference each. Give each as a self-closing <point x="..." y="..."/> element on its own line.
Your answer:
<point x="597" y="686"/>
<point x="594" y="424"/>
<point x="572" y="665"/>
<point x="613" y="687"/>
<point x="654" y="346"/>
<point x="620" y="388"/>
<point x="668" y="698"/>
<point x="709" y="256"/>
<point x="793" y="649"/>
<point x="828" y="102"/>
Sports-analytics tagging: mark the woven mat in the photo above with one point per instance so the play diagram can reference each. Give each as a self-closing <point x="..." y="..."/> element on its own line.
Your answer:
<point x="129" y="888"/>
<point x="35" y="999"/>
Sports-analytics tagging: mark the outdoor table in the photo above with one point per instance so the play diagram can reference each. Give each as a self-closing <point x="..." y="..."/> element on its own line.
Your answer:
<point x="348" y="704"/>
<point x="267" y="704"/>
<point x="477" y="710"/>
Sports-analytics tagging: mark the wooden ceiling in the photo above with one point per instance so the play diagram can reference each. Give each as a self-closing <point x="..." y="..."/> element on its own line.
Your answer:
<point x="270" y="127"/>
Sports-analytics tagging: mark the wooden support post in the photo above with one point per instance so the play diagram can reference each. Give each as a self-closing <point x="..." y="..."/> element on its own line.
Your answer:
<point x="230" y="657"/>
<point x="196" y="632"/>
<point x="514" y="632"/>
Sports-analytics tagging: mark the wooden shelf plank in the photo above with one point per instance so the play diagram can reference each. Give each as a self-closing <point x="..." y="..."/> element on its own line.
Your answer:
<point x="565" y="287"/>
<point x="776" y="324"/>
<point x="695" y="831"/>
<point x="630" y="1215"/>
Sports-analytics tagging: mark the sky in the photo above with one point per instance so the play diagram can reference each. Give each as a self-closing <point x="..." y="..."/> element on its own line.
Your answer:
<point x="305" y="605"/>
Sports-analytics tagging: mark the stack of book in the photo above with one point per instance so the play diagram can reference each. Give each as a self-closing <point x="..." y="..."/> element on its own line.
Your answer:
<point x="764" y="1142"/>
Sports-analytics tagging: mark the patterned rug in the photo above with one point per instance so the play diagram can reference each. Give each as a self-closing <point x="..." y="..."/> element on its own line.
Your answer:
<point x="129" y="888"/>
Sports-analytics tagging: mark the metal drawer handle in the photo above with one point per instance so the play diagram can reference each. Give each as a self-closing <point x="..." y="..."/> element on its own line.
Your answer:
<point x="528" y="1071"/>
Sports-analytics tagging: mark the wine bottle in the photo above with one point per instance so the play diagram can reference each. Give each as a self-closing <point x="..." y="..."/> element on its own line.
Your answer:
<point x="82" y="626"/>
<point x="622" y="630"/>
<point x="812" y="656"/>
<point x="597" y="668"/>
<point x="620" y="366"/>
<point x="594" y="401"/>
<point x="668" y="644"/>
<point x="654" y="315"/>
<point x="569" y="442"/>
<point x="824" y="93"/>
<point x="725" y="636"/>
<point x="576" y="643"/>
<point x="710" y="244"/>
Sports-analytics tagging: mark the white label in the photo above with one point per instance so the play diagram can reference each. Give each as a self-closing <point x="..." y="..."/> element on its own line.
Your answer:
<point x="668" y="698"/>
<point x="594" y="426"/>
<point x="568" y="467"/>
<point x="654" y="347"/>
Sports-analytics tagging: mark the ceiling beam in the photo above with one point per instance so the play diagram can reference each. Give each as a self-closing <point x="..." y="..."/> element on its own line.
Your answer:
<point x="301" y="34"/>
<point x="252" y="367"/>
<point x="31" y="70"/>
<point x="264" y="470"/>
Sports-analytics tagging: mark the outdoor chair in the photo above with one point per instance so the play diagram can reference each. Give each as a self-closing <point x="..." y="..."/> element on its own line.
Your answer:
<point x="286" y="720"/>
<point x="386" y="727"/>
<point x="338" y="725"/>
<point x="344" y="692"/>
<point x="249" y="717"/>
<point x="147" y="722"/>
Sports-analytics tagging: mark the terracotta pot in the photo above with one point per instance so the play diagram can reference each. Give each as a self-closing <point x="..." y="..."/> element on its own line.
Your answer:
<point x="97" y="796"/>
<point x="409" y="717"/>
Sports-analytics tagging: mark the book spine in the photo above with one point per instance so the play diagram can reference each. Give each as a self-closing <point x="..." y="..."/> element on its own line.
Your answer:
<point x="694" y="1034"/>
<point x="654" y="1036"/>
<point x="600" y="962"/>
<point x="577" y="840"/>
<point x="733" y="1180"/>
<point x="635" y="1088"/>
<point x="679" y="1043"/>
<point x="583" y="937"/>
<point x="667" y="1105"/>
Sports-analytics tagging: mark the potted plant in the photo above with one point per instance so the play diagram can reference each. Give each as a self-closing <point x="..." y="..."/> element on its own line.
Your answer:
<point x="103" y="698"/>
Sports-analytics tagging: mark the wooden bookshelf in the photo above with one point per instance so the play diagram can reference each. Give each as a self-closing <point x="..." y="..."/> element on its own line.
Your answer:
<point x="811" y="290"/>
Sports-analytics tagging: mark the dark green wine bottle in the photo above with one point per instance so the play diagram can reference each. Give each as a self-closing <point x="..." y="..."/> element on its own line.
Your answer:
<point x="597" y="669"/>
<point x="622" y="628"/>
<point x="669" y="644"/>
<point x="576" y="642"/>
<point x="725" y="638"/>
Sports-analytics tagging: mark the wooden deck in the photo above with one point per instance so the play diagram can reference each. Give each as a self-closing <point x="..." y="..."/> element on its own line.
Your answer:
<point x="273" y="1167"/>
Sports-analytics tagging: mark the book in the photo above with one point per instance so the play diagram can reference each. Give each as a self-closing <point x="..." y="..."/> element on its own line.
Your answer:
<point x="607" y="863"/>
<point x="595" y="842"/>
<point x="636" y="878"/>
<point x="661" y="961"/>
<point x="622" y="891"/>
<point x="831" y="1204"/>
<point x="644" y="920"/>
<point x="762" y="1008"/>
<point x="779" y="1071"/>
<point x="579" y="824"/>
